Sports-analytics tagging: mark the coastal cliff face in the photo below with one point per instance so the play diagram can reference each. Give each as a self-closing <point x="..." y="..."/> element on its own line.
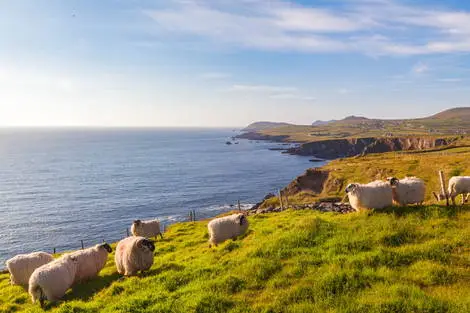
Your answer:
<point x="258" y="136"/>
<point x="338" y="148"/>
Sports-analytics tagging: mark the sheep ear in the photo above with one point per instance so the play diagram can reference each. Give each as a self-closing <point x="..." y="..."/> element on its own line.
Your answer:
<point x="242" y="219"/>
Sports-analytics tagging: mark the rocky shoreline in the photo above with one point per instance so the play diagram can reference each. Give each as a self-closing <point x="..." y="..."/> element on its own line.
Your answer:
<point x="330" y="149"/>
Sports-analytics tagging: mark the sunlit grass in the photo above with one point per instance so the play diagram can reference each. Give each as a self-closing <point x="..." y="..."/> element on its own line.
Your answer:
<point x="397" y="260"/>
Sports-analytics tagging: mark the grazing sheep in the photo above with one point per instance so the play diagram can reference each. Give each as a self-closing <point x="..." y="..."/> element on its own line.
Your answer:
<point x="146" y="229"/>
<point x="374" y="195"/>
<point x="409" y="190"/>
<point x="459" y="185"/>
<point x="51" y="281"/>
<point x="23" y="265"/>
<point x="91" y="261"/>
<point x="134" y="254"/>
<point x="223" y="228"/>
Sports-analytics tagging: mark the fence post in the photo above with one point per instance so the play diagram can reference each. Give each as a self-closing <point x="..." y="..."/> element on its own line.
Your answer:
<point x="127" y="232"/>
<point x="239" y="205"/>
<point x="54" y="250"/>
<point x="190" y="215"/>
<point x="280" y="199"/>
<point x="194" y="215"/>
<point x="443" y="186"/>
<point x="82" y="244"/>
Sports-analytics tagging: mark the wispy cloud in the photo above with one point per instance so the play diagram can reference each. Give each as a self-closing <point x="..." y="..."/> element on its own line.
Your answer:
<point x="215" y="75"/>
<point x="375" y="27"/>
<point x="420" y="68"/>
<point x="449" y="80"/>
<point x="292" y="96"/>
<point x="263" y="88"/>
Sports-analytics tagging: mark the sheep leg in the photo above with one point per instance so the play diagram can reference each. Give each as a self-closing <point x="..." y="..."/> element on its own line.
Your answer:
<point x="161" y="236"/>
<point x="453" y="200"/>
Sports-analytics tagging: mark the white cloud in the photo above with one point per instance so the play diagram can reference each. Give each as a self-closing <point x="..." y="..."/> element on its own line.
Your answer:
<point x="263" y="88"/>
<point x="380" y="27"/>
<point x="420" y="68"/>
<point x="292" y="96"/>
<point x="449" y="80"/>
<point x="215" y="75"/>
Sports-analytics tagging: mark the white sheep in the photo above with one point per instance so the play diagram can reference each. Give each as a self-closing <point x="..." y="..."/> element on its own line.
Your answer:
<point x="52" y="280"/>
<point x="459" y="185"/>
<point x="23" y="265"/>
<point x="91" y="261"/>
<point x="374" y="195"/>
<point x="134" y="254"/>
<point x="409" y="190"/>
<point x="146" y="229"/>
<point x="223" y="228"/>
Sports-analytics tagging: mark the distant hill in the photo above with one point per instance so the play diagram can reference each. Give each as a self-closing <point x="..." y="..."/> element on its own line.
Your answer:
<point x="258" y="126"/>
<point x="321" y="123"/>
<point x="462" y="113"/>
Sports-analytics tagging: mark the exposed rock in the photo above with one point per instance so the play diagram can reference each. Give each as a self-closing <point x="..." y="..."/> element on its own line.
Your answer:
<point x="336" y="148"/>
<point x="312" y="180"/>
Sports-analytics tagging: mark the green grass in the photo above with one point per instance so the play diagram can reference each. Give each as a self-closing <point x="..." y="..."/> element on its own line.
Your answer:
<point x="397" y="260"/>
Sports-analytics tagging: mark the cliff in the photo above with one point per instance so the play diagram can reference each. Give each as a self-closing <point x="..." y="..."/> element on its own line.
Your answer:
<point x="337" y="148"/>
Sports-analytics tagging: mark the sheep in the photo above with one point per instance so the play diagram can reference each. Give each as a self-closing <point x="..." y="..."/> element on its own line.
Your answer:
<point x="459" y="185"/>
<point x="146" y="229"/>
<point x="23" y="265"/>
<point x="376" y="194"/>
<point x="409" y="190"/>
<point x="134" y="254"/>
<point x="52" y="280"/>
<point x="223" y="228"/>
<point x="91" y="261"/>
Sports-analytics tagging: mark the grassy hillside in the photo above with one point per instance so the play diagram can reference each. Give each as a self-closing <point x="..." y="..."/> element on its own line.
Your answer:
<point x="452" y="161"/>
<point x="399" y="260"/>
<point x="450" y="122"/>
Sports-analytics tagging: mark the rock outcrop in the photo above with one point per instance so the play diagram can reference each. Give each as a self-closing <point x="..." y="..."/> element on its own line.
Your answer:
<point x="338" y="148"/>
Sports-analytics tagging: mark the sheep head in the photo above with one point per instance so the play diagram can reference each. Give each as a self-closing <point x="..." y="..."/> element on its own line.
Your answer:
<point x="106" y="246"/>
<point x="351" y="188"/>
<point x="393" y="181"/>
<point x="242" y="219"/>
<point x="146" y="245"/>
<point x="137" y="222"/>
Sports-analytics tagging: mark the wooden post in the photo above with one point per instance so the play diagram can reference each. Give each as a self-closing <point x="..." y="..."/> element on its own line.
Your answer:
<point x="190" y="215"/>
<point x="194" y="215"/>
<point x="82" y="244"/>
<point x="443" y="187"/>
<point x="239" y="206"/>
<point x="54" y="250"/>
<point x="280" y="199"/>
<point x="127" y="232"/>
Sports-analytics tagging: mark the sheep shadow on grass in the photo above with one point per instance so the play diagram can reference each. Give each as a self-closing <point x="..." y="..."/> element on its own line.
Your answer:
<point x="86" y="290"/>
<point x="424" y="211"/>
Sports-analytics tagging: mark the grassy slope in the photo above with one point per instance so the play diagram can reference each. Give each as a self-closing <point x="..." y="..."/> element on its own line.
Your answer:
<point x="425" y="164"/>
<point x="444" y="124"/>
<point x="401" y="260"/>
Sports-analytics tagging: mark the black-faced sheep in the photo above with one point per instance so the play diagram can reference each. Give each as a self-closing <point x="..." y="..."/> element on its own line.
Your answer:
<point x="409" y="190"/>
<point x="23" y="265"/>
<point x="374" y="195"/>
<point x="146" y="229"/>
<point x="134" y="254"/>
<point x="227" y="227"/>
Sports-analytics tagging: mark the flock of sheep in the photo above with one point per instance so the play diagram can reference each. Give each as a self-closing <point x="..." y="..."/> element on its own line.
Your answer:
<point x="409" y="190"/>
<point x="49" y="279"/>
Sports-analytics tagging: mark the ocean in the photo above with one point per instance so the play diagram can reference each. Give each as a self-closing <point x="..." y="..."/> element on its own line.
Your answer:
<point x="61" y="186"/>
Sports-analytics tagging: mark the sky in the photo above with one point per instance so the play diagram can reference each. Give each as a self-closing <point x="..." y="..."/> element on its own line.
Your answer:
<point x="228" y="63"/>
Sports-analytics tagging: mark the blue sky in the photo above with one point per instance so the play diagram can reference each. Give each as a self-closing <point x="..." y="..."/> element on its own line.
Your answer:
<point x="228" y="63"/>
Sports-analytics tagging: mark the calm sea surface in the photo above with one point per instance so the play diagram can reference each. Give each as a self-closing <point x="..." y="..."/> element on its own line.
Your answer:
<point x="60" y="186"/>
